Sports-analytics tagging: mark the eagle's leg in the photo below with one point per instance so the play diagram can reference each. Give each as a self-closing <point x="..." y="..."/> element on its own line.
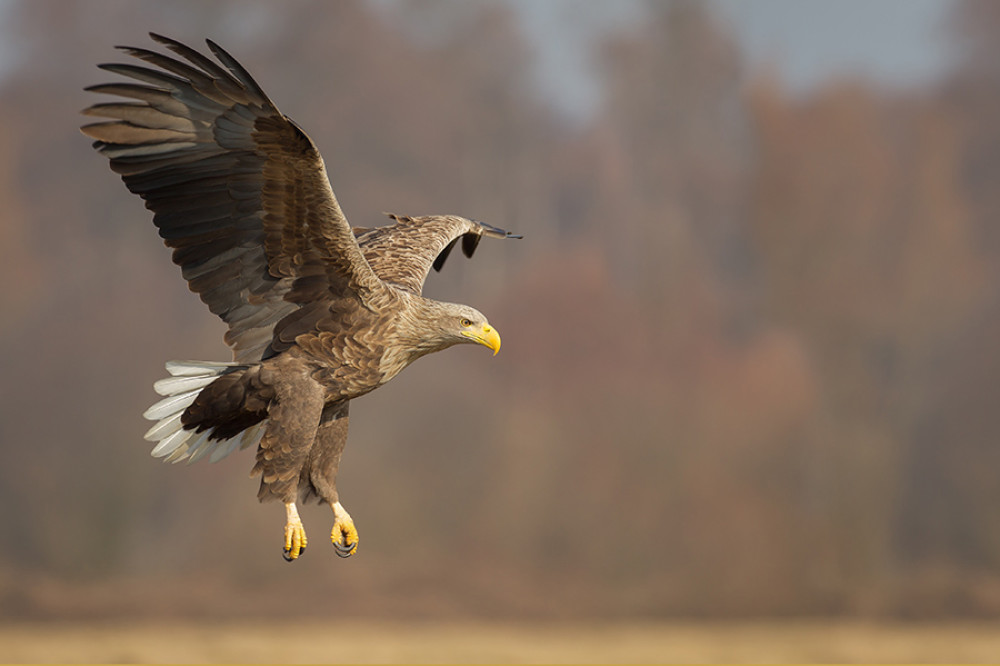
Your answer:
<point x="324" y="462"/>
<point x="293" y="416"/>
<point x="295" y="533"/>
<point x="344" y="535"/>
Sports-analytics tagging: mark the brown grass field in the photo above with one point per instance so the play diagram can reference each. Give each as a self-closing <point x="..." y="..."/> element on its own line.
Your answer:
<point x="810" y="641"/>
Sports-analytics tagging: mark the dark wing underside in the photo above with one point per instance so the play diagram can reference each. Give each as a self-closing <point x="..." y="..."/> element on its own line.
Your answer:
<point x="237" y="190"/>
<point x="403" y="253"/>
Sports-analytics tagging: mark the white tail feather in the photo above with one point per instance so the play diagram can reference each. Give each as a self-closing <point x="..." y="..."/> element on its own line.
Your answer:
<point x="196" y="368"/>
<point x="203" y="446"/>
<point x="175" y="385"/>
<point x="170" y="443"/>
<point x="223" y="449"/>
<point x="164" y="428"/>
<point x="181" y="452"/>
<point x="170" y="405"/>
<point x="174" y="443"/>
<point x="248" y="438"/>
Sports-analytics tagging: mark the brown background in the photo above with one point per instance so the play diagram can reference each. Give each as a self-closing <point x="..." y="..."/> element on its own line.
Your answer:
<point x="751" y="360"/>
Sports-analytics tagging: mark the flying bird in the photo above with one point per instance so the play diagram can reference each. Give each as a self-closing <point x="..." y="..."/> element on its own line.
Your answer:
<point x="319" y="312"/>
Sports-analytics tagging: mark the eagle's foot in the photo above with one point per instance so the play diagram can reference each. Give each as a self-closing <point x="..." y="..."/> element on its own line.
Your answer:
<point x="344" y="535"/>
<point x="295" y="534"/>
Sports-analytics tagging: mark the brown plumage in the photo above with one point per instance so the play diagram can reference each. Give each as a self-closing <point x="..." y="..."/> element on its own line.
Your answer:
<point x="318" y="313"/>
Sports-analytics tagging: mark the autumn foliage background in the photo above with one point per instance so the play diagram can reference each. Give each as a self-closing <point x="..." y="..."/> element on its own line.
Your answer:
<point x="751" y="359"/>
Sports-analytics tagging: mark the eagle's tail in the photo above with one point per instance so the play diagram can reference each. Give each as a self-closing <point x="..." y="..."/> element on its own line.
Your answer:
<point x="174" y="442"/>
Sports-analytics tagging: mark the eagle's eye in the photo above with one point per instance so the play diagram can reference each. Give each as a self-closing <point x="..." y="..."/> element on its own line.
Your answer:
<point x="466" y="322"/>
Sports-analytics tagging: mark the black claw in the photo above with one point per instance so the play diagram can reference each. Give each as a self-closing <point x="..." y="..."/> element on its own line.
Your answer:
<point x="287" y="554"/>
<point x="345" y="551"/>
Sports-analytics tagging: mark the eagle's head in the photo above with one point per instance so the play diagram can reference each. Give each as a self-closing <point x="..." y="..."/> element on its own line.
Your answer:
<point x="461" y="324"/>
<point x="448" y="324"/>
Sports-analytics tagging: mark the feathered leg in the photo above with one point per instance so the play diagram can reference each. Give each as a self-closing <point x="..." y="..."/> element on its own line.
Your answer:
<point x="320" y="475"/>
<point x="284" y="449"/>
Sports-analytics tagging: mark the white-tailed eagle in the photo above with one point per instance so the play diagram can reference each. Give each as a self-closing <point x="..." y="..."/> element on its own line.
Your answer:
<point x="319" y="313"/>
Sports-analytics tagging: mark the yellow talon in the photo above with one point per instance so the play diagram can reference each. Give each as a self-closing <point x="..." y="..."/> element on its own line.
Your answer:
<point x="295" y="534"/>
<point x="344" y="535"/>
<point x="345" y="538"/>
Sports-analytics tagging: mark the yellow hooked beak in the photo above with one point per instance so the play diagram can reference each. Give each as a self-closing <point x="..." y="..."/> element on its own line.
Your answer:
<point x="487" y="335"/>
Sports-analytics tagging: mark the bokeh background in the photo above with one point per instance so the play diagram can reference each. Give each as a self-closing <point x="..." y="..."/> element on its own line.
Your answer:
<point x="751" y="362"/>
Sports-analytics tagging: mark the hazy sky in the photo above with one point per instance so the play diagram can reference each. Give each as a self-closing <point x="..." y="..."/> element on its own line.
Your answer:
<point x="897" y="42"/>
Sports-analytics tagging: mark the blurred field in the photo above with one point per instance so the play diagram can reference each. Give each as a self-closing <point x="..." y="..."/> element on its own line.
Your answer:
<point x="772" y="641"/>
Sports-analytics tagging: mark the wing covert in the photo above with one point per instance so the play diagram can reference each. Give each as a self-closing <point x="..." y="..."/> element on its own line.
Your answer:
<point x="404" y="252"/>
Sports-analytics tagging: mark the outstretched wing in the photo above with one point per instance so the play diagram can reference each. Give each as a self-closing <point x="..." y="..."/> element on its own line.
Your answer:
<point x="403" y="253"/>
<point x="237" y="190"/>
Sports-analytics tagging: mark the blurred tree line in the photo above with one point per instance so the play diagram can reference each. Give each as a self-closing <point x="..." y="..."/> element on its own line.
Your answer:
<point x="750" y="355"/>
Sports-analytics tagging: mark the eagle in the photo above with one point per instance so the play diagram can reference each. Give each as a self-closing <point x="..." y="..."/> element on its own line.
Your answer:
<point x="319" y="312"/>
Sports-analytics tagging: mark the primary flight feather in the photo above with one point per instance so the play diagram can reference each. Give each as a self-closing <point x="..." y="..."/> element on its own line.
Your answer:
<point x="319" y="313"/>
